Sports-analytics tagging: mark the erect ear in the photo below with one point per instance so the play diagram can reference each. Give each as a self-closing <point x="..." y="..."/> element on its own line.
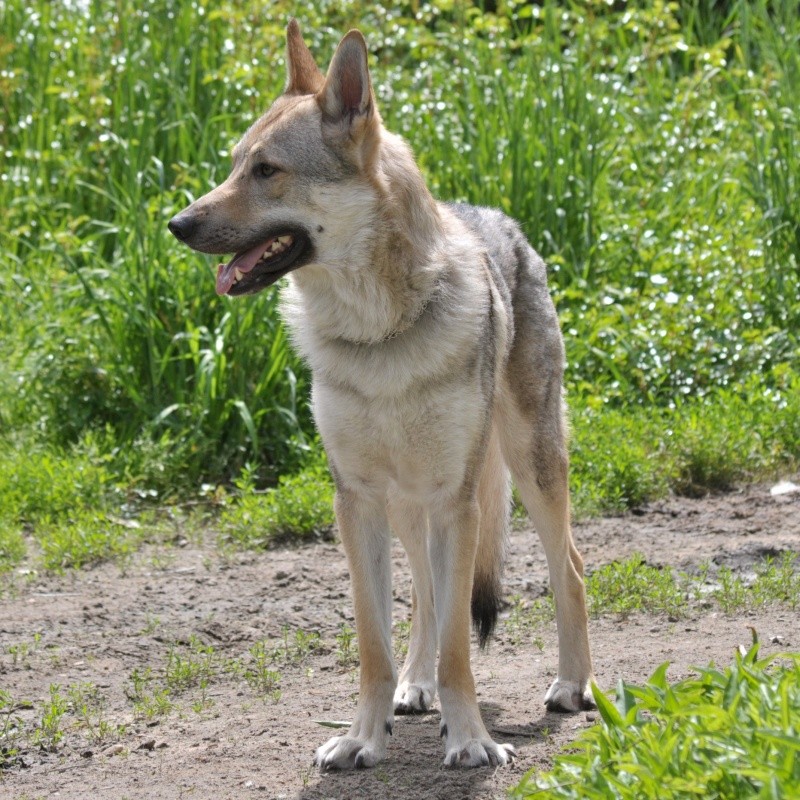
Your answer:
<point x="303" y="75"/>
<point x="347" y="94"/>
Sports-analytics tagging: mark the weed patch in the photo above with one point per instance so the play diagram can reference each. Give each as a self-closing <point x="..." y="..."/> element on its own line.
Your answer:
<point x="623" y="587"/>
<point x="300" y="506"/>
<point x="633" y="586"/>
<point x="724" y="733"/>
<point x="85" y="539"/>
<point x="775" y="581"/>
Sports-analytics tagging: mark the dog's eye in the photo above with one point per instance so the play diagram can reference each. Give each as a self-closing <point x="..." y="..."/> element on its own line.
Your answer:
<point x="264" y="170"/>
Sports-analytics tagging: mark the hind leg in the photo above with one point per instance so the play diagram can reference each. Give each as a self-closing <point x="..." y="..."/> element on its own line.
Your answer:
<point x="535" y="450"/>
<point x="453" y="544"/>
<point x="416" y="685"/>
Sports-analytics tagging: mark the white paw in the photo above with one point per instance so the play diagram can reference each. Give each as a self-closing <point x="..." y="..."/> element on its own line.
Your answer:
<point x="348" y="752"/>
<point x="569" y="696"/>
<point x="411" y="698"/>
<point x="479" y="753"/>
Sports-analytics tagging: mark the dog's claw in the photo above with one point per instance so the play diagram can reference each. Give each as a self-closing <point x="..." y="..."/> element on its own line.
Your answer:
<point x="569" y="696"/>
<point x="480" y="753"/>
<point x="350" y="752"/>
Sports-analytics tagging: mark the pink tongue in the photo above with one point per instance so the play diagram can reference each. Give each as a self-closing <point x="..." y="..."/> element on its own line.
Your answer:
<point x="244" y="262"/>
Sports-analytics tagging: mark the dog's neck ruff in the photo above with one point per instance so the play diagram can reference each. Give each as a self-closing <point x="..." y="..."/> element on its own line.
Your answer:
<point x="404" y="327"/>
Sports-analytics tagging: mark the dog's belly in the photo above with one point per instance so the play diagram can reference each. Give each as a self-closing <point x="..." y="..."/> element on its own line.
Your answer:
<point x="421" y="443"/>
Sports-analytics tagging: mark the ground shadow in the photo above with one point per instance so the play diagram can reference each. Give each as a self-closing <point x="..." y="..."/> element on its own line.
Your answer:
<point x="413" y="768"/>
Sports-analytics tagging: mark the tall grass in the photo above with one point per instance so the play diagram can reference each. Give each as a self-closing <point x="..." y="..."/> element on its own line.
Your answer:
<point x="114" y="127"/>
<point x="650" y="151"/>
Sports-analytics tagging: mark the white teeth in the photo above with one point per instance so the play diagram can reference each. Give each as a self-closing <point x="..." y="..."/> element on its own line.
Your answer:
<point x="238" y="274"/>
<point x="277" y="246"/>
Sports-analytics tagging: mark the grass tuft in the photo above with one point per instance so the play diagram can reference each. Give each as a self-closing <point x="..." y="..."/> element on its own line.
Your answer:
<point x="300" y="506"/>
<point x="624" y="587"/>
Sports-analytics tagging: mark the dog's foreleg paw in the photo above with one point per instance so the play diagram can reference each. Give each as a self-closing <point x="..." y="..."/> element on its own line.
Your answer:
<point x="570" y="696"/>
<point x="348" y="752"/>
<point x="411" y="698"/>
<point x="479" y="753"/>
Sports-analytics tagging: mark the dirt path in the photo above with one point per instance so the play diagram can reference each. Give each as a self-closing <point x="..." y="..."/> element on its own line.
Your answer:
<point x="99" y="626"/>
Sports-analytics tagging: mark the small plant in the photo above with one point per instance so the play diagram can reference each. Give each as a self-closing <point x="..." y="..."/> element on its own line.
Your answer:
<point x="149" y="699"/>
<point x="204" y="702"/>
<point x="152" y="625"/>
<point x="88" y="705"/>
<point x="778" y="580"/>
<point x="260" y="677"/>
<point x="21" y="653"/>
<point x="728" y="734"/>
<point x="49" y="732"/>
<point x="346" y="647"/>
<point x="732" y="594"/>
<point x="295" y="649"/>
<point x="401" y="637"/>
<point x="11" y="730"/>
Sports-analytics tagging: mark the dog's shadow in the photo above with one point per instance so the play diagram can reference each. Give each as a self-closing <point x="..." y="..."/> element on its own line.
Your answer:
<point x="413" y="768"/>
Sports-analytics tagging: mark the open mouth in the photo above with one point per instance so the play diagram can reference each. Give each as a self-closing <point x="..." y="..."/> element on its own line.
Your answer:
<point x="253" y="270"/>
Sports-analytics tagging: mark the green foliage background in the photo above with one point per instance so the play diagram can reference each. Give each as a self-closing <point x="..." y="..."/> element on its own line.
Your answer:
<point x="650" y="151"/>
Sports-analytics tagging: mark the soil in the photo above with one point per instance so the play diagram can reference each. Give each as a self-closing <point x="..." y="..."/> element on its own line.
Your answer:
<point x="99" y="625"/>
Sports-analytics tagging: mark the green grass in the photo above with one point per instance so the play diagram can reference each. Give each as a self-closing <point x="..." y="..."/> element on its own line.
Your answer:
<point x="622" y="458"/>
<point x="727" y="733"/>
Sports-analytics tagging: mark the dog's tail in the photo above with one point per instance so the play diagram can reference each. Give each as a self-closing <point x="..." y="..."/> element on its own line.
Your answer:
<point x="494" y="500"/>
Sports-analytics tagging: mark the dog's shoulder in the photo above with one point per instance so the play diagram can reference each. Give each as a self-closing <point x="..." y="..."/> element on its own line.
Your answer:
<point x="512" y="259"/>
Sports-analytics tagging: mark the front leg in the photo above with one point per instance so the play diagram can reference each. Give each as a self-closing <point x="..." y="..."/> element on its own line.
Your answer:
<point x="365" y="535"/>
<point x="453" y="544"/>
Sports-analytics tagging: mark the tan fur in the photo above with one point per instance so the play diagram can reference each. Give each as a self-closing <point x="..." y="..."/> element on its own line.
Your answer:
<point x="437" y="368"/>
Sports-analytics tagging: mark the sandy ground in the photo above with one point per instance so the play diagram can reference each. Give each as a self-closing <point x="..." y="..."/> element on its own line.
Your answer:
<point x="100" y="625"/>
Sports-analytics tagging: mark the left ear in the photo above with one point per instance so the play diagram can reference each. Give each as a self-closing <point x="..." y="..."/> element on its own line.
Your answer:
<point x="347" y="99"/>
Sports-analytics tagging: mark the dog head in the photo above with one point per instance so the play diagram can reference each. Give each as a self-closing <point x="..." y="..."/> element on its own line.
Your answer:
<point x="300" y="189"/>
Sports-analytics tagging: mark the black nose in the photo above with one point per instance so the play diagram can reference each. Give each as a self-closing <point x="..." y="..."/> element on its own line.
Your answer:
<point x="182" y="226"/>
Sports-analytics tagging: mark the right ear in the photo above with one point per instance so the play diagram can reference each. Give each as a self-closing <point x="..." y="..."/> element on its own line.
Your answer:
<point x="303" y="75"/>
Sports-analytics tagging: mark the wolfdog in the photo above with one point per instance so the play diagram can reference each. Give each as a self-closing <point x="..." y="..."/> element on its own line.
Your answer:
<point x="437" y="366"/>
